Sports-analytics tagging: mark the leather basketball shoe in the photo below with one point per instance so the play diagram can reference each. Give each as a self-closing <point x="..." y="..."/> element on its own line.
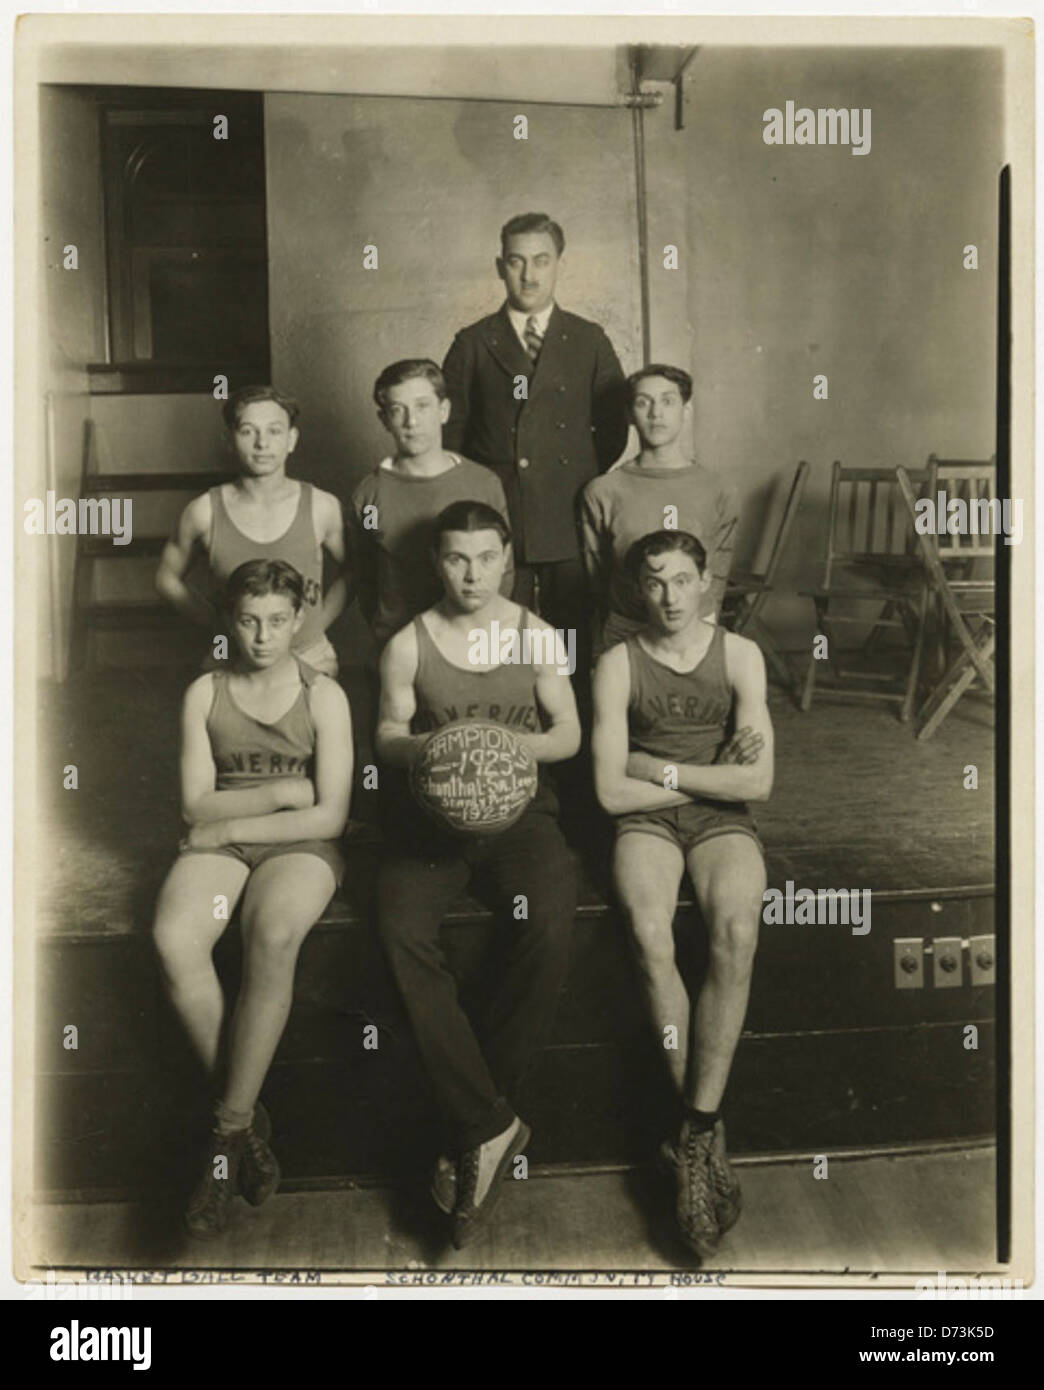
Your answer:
<point x="728" y="1196"/>
<point x="474" y="1206"/>
<point x="259" y="1172"/>
<point x="443" y="1187"/>
<point x="728" y="1199"/>
<point x="210" y="1204"/>
<point x="694" y="1196"/>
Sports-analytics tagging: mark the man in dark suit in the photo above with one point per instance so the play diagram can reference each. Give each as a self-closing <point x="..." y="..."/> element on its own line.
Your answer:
<point x="538" y="395"/>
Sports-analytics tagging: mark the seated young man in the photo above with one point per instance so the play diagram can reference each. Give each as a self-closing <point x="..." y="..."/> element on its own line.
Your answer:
<point x="261" y="514"/>
<point x="393" y="510"/>
<point x="660" y="487"/>
<point x="428" y="679"/>
<point x="266" y="772"/>
<point x="667" y="769"/>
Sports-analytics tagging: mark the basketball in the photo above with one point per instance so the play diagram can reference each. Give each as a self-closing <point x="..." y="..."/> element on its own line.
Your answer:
<point x="474" y="777"/>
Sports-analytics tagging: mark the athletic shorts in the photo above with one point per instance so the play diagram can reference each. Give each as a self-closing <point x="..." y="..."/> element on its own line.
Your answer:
<point x="687" y="826"/>
<point x="329" y="851"/>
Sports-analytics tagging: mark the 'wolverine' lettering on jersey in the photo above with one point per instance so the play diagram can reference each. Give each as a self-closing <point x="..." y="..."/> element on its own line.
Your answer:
<point x="258" y="764"/>
<point x="514" y="716"/>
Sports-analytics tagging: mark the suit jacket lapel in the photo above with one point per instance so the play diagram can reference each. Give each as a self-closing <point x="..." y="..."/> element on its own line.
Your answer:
<point x="503" y="344"/>
<point x="553" y="351"/>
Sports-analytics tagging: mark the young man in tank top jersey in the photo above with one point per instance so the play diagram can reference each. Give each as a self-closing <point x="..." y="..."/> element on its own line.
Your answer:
<point x="660" y="487"/>
<point x="678" y="784"/>
<point x="266" y="772"/>
<point x="393" y="510"/>
<point x="260" y="515"/>
<point x="428" y="679"/>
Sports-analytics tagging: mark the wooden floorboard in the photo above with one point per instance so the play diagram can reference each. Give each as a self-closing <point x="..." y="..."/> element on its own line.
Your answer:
<point x="902" y="1214"/>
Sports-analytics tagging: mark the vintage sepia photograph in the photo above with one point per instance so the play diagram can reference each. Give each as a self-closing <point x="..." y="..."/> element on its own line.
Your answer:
<point x="524" y="669"/>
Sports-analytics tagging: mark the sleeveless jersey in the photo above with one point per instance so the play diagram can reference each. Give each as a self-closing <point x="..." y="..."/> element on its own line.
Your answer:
<point x="246" y="750"/>
<point x="680" y="717"/>
<point x="505" y="694"/>
<point x="229" y="549"/>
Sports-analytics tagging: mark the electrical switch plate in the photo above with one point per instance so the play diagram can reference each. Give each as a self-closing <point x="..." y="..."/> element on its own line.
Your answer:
<point x="908" y="955"/>
<point x="982" y="957"/>
<point x="947" y="962"/>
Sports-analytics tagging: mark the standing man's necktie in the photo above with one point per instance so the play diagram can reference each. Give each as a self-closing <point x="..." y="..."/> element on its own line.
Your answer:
<point x="534" y="338"/>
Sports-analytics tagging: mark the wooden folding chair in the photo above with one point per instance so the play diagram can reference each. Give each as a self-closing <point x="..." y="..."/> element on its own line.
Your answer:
<point x="746" y="592"/>
<point x="870" y="559"/>
<point x="954" y="562"/>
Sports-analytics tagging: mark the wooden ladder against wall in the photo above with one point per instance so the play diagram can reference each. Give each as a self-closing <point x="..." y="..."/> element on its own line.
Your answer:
<point x="90" y="614"/>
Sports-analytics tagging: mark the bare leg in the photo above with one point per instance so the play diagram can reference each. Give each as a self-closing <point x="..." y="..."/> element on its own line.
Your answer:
<point x="728" y="874"/>
<point x="186" y="932"/>
<point x="647" y="870"/>
<point x="284" y="899"/>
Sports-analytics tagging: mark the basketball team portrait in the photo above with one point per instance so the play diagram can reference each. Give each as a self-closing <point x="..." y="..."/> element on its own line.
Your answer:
<point x="524" y="652"/>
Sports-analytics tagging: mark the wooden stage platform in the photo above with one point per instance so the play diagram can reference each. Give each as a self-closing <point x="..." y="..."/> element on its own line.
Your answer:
<point x="832" y="1057"/>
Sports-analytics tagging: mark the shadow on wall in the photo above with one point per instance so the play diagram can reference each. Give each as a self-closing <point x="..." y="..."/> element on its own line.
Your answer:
<point x="809" y="261"/>
<point x="440" y="179"/>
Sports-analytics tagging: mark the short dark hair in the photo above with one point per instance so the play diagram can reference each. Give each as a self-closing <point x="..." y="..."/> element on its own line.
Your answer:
<point x="469" y="516"/>
<point x="662" y="543"/>
<point x="250" y="395"/>
<point x="256" y="578"/>
<point x="675" y="375"/>
<point x="532" y="222"/>
<point x="406" y="370"/>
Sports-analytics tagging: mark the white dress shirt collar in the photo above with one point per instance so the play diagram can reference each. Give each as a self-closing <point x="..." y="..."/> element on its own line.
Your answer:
<point x="520" y="319"/>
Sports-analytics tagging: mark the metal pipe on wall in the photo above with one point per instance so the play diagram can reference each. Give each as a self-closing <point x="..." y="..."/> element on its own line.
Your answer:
<point x="638" y="130"/>
<point x="54" y="577"/>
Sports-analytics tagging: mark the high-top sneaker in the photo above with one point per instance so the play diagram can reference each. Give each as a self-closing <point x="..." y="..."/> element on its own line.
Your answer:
<point x="474" y="1206"/>
<point x="444" y="1184"/>
<point x="694" y="1198"/>
<point x="210" y="1205"/>
<point x="259" y="1172"/>
<point x="728" y="1199"/>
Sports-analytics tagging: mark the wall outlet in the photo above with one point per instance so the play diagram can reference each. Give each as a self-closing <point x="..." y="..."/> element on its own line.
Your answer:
<point x="982" y="959"/>
<point x="908" y="959"/>
<point x="947" y="962"/>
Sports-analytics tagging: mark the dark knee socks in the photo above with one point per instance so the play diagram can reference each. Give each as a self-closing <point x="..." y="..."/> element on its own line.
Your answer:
<point x="229" y="1121"/>
<point x="700" y="1121"/>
